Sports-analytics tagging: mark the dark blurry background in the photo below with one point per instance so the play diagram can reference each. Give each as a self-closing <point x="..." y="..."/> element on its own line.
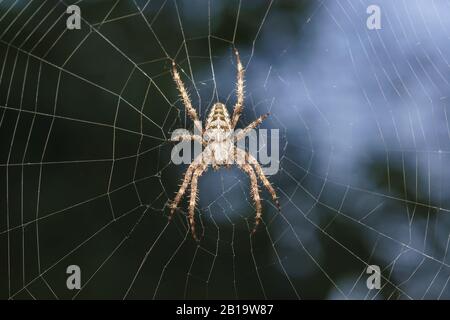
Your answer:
<point x="86" y="175"/>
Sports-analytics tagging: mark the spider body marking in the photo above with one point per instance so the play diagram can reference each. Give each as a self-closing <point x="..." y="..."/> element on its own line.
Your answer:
<point x="218" y="137"/>
<point x="219" y="140"/>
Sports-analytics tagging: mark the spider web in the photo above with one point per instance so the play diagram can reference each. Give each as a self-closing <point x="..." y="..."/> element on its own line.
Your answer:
<point x="86" y="174"/>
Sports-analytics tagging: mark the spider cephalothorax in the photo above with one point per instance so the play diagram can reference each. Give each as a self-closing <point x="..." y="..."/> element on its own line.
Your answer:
<point x="218" y="140"/>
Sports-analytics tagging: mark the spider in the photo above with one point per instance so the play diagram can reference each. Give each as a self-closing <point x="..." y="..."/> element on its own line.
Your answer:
<point x="218" y="140"/>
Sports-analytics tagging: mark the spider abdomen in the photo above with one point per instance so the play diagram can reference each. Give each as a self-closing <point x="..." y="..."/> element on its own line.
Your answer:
<point x="218" y="118"/>
<point x="219" y="136"/>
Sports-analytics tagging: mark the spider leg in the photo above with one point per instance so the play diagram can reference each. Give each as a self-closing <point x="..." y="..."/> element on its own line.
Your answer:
<point x="254" y="191"/>
<point x="187" y="137"/>
<point x="187" y="178"/>
<point x="239" y="106"/>
<point x="259" y="171"/>
<point x="185" y="96"/>
<point x="194" y="191"/>
<point x="242" y="133"/>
